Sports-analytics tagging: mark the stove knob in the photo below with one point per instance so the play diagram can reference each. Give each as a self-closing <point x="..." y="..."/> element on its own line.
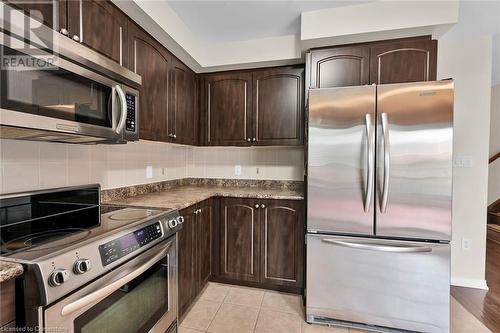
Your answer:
<point x="81" y="266"/>
<point x="172" y="223"/>
<point x="58" y="277"/>
<point x="180" y="220"/>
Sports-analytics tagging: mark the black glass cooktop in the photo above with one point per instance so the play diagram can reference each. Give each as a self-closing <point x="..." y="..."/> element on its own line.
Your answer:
<point x="34" y="225"/>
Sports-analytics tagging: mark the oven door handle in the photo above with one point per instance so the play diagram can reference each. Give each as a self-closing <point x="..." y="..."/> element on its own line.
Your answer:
<point x="114" y="286"/>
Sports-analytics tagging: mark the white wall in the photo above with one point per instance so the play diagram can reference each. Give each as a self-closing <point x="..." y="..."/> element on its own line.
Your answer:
<point x="29" y="165"/>
<point x="494" y="168"/>
<point x="468" y="62"/>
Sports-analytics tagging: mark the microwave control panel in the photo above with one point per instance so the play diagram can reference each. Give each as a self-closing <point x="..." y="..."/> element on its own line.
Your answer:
<point x="131" y="113"/>
<point x="120" y="247"/>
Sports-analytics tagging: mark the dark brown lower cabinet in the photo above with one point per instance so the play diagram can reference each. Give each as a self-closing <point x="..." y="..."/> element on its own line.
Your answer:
<point x="240" y="239"/>
<point x="186" y="282"/>
<point x="194" y="252"/>
<point x="282" y="243"/>
<point x="262" y="243"/>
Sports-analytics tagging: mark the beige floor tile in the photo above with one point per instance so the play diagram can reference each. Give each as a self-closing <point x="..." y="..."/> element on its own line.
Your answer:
<point x="245" y="296"/>
<point x="462" y="321"/>
<point x="215" y="292"/>
<point x="233" y="318"/>
<point x="283" y="302"/>
<point x="201" y="314"/>
<point x="271" y="321"/>
<point x="187" y="330"/>
<point x="314" y="328"/>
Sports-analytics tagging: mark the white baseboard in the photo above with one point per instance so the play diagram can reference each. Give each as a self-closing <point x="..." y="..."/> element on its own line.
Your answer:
<point x="469" y="283"/>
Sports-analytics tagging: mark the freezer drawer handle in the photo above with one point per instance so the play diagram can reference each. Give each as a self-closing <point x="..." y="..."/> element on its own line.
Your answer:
<point x="372" y="246"/>
<point x="387" y="161"/>
<point x="370" y="161"/>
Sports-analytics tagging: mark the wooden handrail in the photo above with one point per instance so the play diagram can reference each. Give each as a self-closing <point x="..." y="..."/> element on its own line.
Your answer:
<point x="494" y="157"/>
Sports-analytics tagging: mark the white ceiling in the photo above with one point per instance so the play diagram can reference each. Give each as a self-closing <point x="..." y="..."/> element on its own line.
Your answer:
<point x="227" y="21"/>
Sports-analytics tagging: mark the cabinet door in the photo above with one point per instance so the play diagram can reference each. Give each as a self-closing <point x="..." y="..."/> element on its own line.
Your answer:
<point x="204" y="220"/>
<point x="46" y="12"/>
<point x="277" y="103"/>
<point x="403" y="61"/>
<point x="99" y="25"/>
<point x="340" y="67"/>
<point x="239" y="241"/>
<point x="282" y="243"/>
<point x="150" y="60"/>
<point x="229" y="109"/>
<point x="186" y="260"/>
<point x="182" y="113"/>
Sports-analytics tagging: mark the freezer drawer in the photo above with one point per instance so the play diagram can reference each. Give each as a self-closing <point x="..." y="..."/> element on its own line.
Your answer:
<point x="385" y="283"/>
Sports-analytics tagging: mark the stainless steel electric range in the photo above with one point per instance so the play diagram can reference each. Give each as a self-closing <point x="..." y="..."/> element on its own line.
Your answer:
<point x="90" y="267"/>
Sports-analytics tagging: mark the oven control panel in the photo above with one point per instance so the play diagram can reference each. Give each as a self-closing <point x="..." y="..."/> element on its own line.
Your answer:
<point x="120" y="247"/>
<point x="131" y="107"/>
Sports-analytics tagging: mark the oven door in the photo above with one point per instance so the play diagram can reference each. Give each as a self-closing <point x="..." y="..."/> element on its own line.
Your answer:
<point x="139" y="296"/>
<point x="45" y="92"/>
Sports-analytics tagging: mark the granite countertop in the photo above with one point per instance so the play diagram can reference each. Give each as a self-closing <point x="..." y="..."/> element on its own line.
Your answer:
<point x="188" y="195"/>
<point x="9" y="270"/>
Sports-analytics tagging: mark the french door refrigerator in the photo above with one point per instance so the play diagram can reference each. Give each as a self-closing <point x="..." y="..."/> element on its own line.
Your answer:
<point x="379" y="206"/>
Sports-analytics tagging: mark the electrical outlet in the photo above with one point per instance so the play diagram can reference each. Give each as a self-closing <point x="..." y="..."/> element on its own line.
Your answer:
<point x="463" y="161"/>
<point x="149" y="171"/>
<point x="237" y="170"/>
<point x="466" y="244"/>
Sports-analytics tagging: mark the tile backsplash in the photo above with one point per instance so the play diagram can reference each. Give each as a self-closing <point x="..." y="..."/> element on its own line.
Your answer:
<point x="28" y="165"/>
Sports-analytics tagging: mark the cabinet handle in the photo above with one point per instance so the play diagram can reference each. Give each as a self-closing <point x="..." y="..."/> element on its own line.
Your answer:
<point x="262" y="206"/>
<point x="174" y="136"/>
<point x="76" y="38"/>
<point x="196" y="211"/>
<point x="249" y="139"/>
<point x="254" y="139"/>
<point x="64" y="31"/>
<point x="256" y="205"/>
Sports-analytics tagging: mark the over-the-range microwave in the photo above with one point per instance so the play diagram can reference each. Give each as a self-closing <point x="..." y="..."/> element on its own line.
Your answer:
<point x="55" y="89"/>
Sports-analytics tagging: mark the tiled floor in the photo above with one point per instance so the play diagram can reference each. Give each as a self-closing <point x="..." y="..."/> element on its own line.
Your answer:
<point x="231" y="309"/>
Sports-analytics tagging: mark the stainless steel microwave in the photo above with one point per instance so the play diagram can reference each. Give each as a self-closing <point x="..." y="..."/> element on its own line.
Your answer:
<point x="55" y="89"/>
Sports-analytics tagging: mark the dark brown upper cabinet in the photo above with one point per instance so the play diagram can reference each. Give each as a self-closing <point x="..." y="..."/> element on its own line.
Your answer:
<point x="229" y="109"/>
<point x="403" y="61"/>
<point x="99" y="25"/>
<point x="240" y="239"/>
<point x="43" y="11"/>
<point x="340" y="67"/>
<point x="282" y="242"/>
<point x="151" y="60"/>
<point x="182" y="114"/>
<point x="277" y="106"/>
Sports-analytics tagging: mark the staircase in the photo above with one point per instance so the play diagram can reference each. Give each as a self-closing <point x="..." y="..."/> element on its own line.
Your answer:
<point x="494" y="213"/>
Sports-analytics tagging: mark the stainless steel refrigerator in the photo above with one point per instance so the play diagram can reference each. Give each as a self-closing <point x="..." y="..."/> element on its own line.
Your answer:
<point x="379" y="197"/>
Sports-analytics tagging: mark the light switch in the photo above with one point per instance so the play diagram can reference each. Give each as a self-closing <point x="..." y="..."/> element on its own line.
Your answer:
<point x="237" y="170"/>
<point x="149" y="171"/>
<point x="463" y="161"/>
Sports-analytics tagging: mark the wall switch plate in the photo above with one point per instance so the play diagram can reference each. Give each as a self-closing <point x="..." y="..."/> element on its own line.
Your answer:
<point x="466" y="244"/>
<point x="462" y="161"/>
<point x="237" y="170"/>
<point x="149" y="171"/>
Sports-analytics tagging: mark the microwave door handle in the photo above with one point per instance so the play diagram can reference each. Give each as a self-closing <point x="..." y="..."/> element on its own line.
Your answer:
<point x="369" y="161"/>
<point x="114" y="286"/>
<point x="387" y="162"/>
<point x="123" y="104"/>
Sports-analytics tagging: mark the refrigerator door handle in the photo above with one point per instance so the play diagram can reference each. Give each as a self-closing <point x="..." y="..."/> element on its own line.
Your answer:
<point x="387" y="162"/>
<point x="380" y="247"/>
<point x="369" y="161"/>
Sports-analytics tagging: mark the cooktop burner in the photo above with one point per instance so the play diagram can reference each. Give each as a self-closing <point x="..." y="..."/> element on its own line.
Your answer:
<point x="36" y="225"/>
